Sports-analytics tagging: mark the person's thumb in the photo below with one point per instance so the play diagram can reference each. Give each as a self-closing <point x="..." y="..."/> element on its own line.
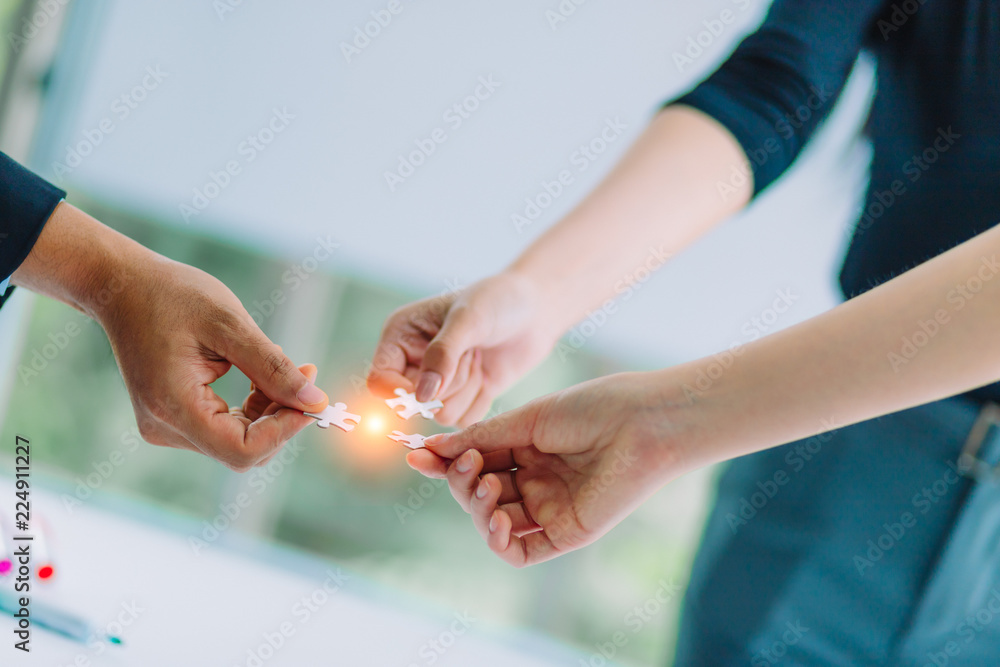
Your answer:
<point x="459" y="333"/>
<point x="509" y="430"/>
<point x="274" y="374"/>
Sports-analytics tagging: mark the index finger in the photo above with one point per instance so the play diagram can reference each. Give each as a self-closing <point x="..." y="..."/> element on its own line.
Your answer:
<point x="509" y="430"/>
<point x="388" y="370"/>
<point x="257" y="403"/>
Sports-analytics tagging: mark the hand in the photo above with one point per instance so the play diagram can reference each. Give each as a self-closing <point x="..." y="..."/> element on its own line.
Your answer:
<point x="464" y="348"/>
<point x="177" y="330"/>
<point x="174" y="330"/>
<point x="560" y="472"/>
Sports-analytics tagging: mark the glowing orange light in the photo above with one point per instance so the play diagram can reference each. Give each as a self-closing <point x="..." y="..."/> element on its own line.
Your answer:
<point x="374" y="424"/>
<point x="366" y="449"/>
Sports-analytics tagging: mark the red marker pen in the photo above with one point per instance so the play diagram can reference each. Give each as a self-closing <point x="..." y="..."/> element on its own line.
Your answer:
<point x="41" y="558"/>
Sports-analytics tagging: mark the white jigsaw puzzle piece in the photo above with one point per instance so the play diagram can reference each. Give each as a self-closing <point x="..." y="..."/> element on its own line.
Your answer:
<point x="411" y="406"/>
<point x="336" y="415"/>
<point x="411" y="441"/>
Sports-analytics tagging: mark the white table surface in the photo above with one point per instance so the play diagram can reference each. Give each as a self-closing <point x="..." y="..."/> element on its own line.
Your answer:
<point x="211" y="609"/>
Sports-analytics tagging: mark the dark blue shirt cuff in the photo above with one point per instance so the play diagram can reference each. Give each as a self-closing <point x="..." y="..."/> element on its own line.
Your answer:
<point x="26" y="203"/>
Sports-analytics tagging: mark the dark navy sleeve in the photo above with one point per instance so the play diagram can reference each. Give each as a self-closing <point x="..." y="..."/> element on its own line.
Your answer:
<point x="26" y="203"/>
<point x="783" y="80"/>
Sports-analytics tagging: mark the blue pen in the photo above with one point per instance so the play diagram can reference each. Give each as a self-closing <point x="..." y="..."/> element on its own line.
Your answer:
<point x="55" y="620"/>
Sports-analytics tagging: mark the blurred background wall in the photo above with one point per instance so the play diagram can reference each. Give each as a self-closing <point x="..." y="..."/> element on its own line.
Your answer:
<point x="138" y="108"/>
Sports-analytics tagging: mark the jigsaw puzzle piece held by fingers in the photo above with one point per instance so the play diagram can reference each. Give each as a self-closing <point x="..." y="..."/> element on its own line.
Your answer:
<point x="411" y="406"/>
<point x="411" y="441"/>
<point x="336" y="415"/>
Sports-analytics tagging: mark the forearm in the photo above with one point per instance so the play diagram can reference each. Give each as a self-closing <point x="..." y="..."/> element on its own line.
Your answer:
<point x="82" y="262"/>
<point x="661" y="197"/>
<point x="926" y="335"/>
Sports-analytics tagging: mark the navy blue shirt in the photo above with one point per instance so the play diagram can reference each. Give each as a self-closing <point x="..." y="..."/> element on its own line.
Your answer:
<point x="934" y="123"/>
<point x="26" y="203"/>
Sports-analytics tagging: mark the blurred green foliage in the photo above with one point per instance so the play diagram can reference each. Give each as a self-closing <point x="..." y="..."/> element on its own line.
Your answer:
<point x="7" y="10"/>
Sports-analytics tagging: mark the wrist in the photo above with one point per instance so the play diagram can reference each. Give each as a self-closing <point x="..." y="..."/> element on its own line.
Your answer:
<point x="542" y="298"/>
<point x="555" y="308"/>
<point x="742" y="401"/>
<point x="664" y="433"/>
<point x="697" y="413"/>
<point x="83" y="263"/>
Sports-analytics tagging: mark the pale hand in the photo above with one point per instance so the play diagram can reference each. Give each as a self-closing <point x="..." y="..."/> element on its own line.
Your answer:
<point x="463" y="348"/>
<point x="560" y="472"/>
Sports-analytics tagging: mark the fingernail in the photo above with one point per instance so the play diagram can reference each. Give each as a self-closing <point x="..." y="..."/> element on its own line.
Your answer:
<point x="428" y="386"/>
<point x="311" y="394"/>
<point x="481" y="490"/>
<point x="464" y="463"/>
<point x="493" y="523"/>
